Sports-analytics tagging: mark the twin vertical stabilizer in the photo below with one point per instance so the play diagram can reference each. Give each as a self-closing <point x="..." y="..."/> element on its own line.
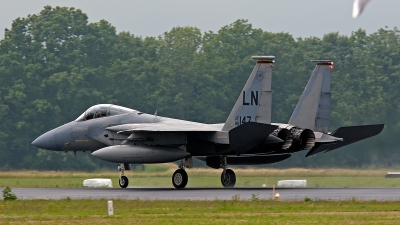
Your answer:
<point x="255" y="100"/>
<point x="313" y="111"/>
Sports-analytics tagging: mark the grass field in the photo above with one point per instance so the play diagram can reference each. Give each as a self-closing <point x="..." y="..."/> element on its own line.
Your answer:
<point x="160" y="176"/>
<point x="199" y="212"/>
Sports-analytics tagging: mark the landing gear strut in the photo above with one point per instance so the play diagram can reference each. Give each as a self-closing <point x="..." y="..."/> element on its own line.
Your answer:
<point x="228" y="177"/>
<point x="180" y="177"/>
<point x="123" y="180"/>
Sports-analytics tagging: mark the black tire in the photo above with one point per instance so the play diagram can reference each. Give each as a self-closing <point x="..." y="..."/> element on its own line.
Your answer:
<point x="123" y="182"/>
<point x="229" y="180"/>
<point x="179" y="178"/>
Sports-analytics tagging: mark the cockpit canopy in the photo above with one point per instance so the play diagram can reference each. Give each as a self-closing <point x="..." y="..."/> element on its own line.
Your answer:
<point x="103" y="110"/>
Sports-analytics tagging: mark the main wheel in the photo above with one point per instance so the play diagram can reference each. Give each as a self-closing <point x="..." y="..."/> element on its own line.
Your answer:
<point x="228" y="179"/>
<point x="123" y="182"/>
<point x="179" y="178"/>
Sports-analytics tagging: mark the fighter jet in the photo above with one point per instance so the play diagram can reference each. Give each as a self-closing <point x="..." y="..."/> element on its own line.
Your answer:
<point x="127" y="136"/>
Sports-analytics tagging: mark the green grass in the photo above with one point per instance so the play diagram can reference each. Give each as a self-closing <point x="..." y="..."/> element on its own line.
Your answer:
<point x="199" y="212"/>
<point x="160" y="176"/>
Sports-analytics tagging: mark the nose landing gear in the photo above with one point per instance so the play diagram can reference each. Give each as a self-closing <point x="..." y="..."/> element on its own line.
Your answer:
<point x="123" y="180"/>
<point x="180" y="177"/>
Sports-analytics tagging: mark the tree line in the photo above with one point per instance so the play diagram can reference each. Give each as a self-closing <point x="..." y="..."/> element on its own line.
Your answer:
<point x="55" y="64"/>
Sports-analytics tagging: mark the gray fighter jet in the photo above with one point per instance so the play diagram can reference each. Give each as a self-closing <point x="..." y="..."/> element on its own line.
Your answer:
<point x="124" y="136"/>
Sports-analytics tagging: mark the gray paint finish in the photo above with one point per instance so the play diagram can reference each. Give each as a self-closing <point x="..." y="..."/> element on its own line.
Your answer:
<point x="313" y="109"/>
<point x="254" y="101"/>
<point x="122" y="135"/>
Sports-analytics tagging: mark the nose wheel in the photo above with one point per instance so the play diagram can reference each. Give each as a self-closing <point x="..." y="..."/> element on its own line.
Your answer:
<point x="180" y="177"/>
<point x="123" y="182"/>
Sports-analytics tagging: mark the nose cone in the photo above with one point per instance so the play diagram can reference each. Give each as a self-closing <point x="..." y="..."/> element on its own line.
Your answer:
<point x="46" y="141"/>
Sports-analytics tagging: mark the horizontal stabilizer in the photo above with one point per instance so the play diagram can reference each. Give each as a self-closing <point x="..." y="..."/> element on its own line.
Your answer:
<point x="248" y="135"/>
<point x="215" y="161"/>
<point x="350" y="135"/>
<point x="325" y="138"/>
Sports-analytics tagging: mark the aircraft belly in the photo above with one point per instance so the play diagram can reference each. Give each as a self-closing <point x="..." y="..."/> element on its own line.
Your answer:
<point x="202" y="148"/>
<point x="215" y="161"/>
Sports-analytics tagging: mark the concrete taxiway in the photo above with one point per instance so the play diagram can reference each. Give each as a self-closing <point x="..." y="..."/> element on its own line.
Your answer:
<point x="209" y="193"/>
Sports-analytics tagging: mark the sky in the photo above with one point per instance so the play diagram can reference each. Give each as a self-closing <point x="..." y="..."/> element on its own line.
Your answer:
<point x="300" y="18"/>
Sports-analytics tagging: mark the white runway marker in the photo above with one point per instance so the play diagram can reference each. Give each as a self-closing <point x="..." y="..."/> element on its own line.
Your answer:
<point x="110" y="208"/>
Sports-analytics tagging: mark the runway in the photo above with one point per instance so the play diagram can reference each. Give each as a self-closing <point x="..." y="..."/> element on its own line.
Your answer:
<point x="209" y="193"/>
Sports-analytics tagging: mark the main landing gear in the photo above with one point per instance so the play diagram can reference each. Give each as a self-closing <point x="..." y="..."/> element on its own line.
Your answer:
<point x="228" y="177"/>
<point x="180" y="177"/>
<point x="123" y="180"/>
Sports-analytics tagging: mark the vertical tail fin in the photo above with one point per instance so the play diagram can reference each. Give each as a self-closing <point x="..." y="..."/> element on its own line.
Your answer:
<point x="254" y="102"/>
<point x="313" y="111"/>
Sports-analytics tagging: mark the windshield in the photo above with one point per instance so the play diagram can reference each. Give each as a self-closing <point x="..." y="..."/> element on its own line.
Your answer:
<point x="103" y="110"/>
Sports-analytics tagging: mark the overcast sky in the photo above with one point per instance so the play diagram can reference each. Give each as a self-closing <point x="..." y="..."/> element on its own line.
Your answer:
<point x="301" y="18"/>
